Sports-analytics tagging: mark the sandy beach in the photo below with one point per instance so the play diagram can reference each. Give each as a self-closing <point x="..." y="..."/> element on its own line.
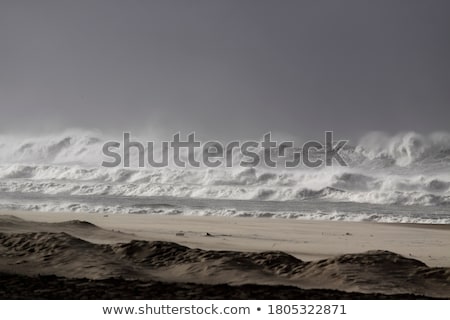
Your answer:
<point x="304" y="239"/>
<point x="366" y="258"/>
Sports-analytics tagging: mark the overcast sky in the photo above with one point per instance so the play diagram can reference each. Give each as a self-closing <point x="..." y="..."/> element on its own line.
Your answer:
<point x="225" y="68"/>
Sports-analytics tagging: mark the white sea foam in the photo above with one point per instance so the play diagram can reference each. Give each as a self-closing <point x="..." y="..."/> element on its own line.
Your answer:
<point x="245" y="184"/>
<point x="229" y="212"/>
<point x="406" y="169"/>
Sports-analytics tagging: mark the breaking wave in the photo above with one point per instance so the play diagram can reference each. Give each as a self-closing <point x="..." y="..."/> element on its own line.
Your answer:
<point x="85" y="148"/>
<point x="230" y="212"/>
<point x="405" y="169"/>
<point x="353" y="185"/>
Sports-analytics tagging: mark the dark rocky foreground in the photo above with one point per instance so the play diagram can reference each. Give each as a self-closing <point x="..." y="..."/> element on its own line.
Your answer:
<point x="13" y="286"/>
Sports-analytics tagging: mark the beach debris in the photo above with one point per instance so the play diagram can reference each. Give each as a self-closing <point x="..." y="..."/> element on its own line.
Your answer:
<point x="207" y="234"/>
<point x="180" y="234"/>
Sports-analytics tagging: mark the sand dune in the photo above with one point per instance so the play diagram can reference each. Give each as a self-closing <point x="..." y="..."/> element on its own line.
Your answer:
<point x="305" y="239"/>
<point x="80" y="229"/>
<point x="54" y="249"/>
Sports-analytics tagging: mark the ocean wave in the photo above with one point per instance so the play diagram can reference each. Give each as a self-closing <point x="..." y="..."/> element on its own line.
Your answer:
<point x="227" y="212"/>
<point x="376" y="150"/>
<point x="405" y="169"/>
<point x="246" y="184"/>
<point x="406" y="148"/>
<point x="70" y="147"/>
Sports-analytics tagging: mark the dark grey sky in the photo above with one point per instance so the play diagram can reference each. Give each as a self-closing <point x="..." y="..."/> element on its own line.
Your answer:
<point x="226" y="68"/>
